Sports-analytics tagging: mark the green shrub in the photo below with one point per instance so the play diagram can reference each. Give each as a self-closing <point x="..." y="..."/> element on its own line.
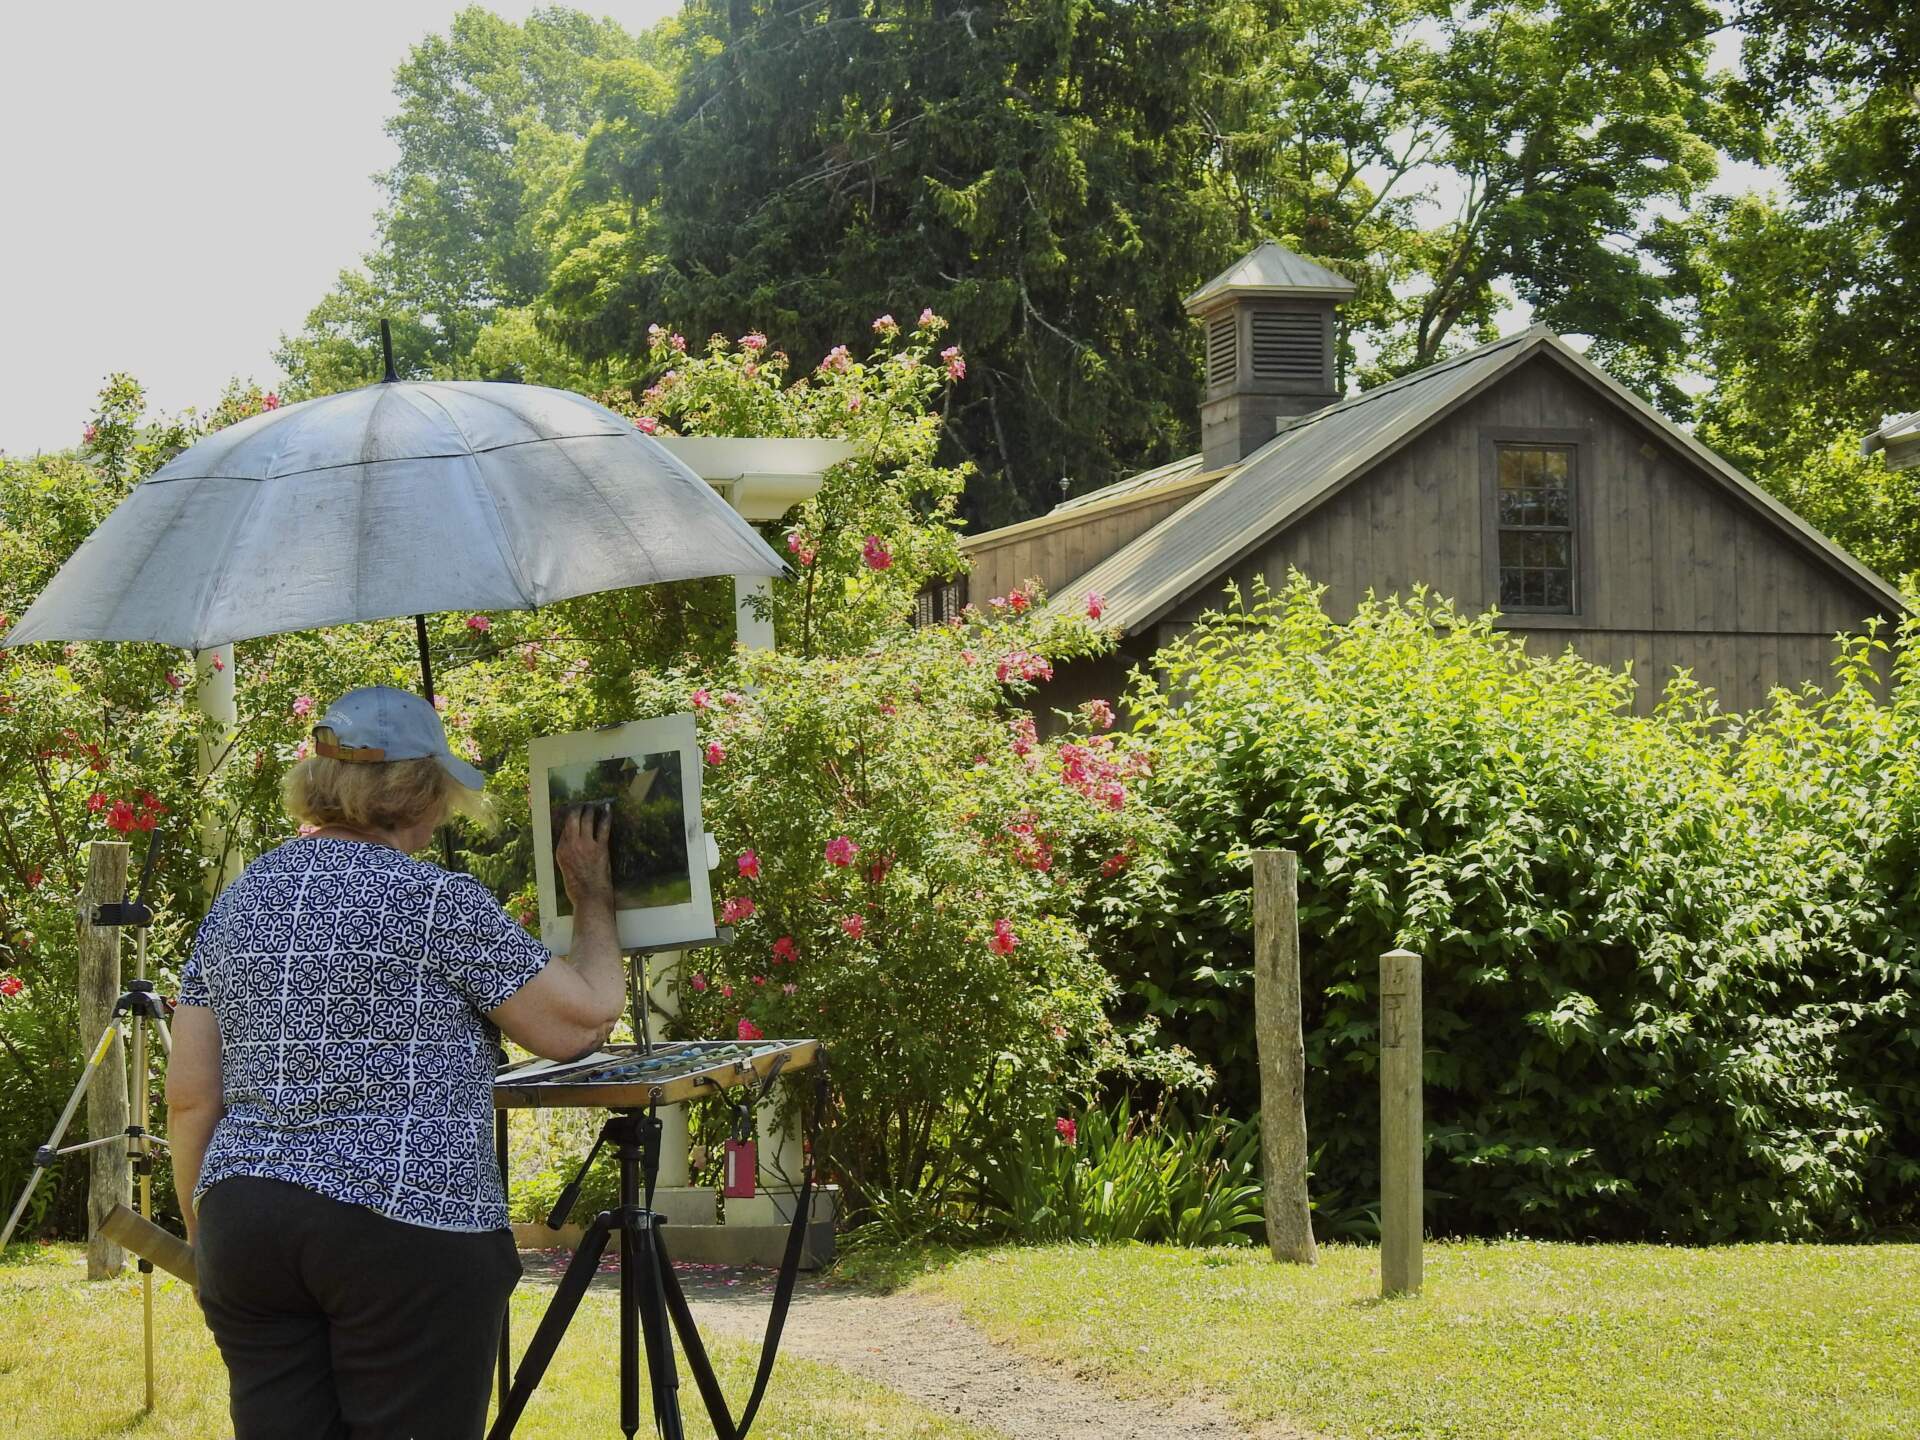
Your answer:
<point x="1668" y="961"/>
<point x="1111" y="1177"/>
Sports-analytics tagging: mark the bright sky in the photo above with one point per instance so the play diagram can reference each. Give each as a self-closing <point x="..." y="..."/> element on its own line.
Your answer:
<point x="180" y="183"/>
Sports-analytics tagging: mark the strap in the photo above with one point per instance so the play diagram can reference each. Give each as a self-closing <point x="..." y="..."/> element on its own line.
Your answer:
<point x="724" y="1426"/>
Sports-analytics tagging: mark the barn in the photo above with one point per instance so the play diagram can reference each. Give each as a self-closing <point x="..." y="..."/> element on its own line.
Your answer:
<point x="1518" y="476"/>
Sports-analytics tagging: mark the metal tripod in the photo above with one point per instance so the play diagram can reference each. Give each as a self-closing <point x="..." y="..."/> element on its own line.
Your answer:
<point x="145" y="1006"/>
<point x="643" y="1296"/>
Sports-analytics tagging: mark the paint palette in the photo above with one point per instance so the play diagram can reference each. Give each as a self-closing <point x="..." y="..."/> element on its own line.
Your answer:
<point x="632" y="1076"/>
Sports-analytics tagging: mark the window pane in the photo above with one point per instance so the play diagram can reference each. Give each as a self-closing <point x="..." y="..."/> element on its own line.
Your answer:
<point x="1510" y="469"/>
<point x="1535" y="588"/>
<point x="1559" y="589"/>
<point x="1556" y="550"/>
<point x="1510" y="582"/>
<point x="1554" y="463"/>
<point x="1512" y="549"/>
<point x="1556" y="507"/>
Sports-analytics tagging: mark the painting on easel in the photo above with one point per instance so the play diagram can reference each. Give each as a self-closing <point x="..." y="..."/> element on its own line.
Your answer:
<point x="646" y="776"/>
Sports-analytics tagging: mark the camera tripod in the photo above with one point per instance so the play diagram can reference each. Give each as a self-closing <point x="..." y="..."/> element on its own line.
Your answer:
<point x="144" y="1005"/>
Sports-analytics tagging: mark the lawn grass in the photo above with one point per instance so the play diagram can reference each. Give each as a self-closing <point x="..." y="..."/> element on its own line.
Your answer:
<point x="1516" y="1339"/>
<point x="70" y="1369"/>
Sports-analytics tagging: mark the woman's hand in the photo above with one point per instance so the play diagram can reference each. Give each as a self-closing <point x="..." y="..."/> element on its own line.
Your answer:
<point x="582" y="855"/>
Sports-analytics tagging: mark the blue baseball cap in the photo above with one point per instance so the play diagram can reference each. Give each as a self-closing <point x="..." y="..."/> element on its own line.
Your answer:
<point x="377" y="723"/>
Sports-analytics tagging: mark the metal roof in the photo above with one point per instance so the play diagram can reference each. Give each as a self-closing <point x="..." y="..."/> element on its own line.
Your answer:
<point x="1171" y="473"/>
<point x="1314" y="455"/>
<point x="1271" y="268"/>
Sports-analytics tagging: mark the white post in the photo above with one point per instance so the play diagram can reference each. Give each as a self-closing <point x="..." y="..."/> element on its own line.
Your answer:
<point x="220" y="719"/>
<point x="662" y="971"/>
<point x="752" y="612"/>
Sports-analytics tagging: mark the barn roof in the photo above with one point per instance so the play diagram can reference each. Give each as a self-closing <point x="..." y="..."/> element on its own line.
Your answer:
<point x="1315" y="455"/>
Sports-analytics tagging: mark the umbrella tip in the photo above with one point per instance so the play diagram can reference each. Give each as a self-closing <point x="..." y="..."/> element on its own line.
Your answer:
<point x="386" y="351"/>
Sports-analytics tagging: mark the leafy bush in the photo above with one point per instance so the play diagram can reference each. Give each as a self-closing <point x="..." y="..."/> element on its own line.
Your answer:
<point x="1110" y="1177"/>
<point x="901" y="861"/>
<point x="1669" y="979"/>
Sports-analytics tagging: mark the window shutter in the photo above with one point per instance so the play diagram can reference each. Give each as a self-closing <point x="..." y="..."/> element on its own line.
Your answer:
<point x="1289" y="345"/>
<point x="1220" y="348"/>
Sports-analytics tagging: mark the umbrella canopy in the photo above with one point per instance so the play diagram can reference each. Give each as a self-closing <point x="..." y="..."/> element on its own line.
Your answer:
<point x="396" y="499"/>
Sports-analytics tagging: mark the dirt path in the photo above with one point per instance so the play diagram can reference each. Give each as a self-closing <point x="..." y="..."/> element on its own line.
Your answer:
<point x="927" y="1350"/>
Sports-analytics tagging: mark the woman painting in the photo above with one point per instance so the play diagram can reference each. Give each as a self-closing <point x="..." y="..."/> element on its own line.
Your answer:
<point x="330" y="1089"/>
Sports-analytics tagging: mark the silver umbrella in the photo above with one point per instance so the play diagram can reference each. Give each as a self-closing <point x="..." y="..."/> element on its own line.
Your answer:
<point x="396" y="499"/>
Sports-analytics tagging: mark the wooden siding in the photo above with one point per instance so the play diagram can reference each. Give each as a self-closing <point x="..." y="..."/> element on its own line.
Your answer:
<point x="1676" y="570"/>
<point x="1054" y="554"/>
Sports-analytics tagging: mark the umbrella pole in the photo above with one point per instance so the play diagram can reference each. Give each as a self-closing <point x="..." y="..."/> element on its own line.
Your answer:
<point x="426" y="688"/>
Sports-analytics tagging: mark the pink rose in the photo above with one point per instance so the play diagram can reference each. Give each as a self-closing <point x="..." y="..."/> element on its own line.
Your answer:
<point x="841" y="850"/>
<point x="647" y="425"/>
<point x="783" y="950"/>
<point x="854" y="925"/>
<point x="955" y="361"/>
<point x="12" y="985"/>
<point x="927" y="317"/>
<point x="1066" y="1130"/>
<point x="750" y="1031"/>
<point x="716" y="753"/>
<point x="754" y="341"/>
<point x="303" y="705"/>
<point x="479" y="624"/>
<point x="748" y="865"/>
<point x="885" y="325"/>
<point x="701" y="699"/>
<point x="876" y="554"/>
<point x="737" y="908"/>
<point x="697" y="983"/>
<point x="1096" y="605"/>
<point x="1003" y="940"/>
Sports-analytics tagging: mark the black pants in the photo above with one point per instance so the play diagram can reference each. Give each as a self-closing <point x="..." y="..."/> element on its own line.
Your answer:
<point x="337" y="1323"/>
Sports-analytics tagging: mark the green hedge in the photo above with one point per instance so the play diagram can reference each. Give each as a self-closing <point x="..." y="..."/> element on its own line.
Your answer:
<point x="1669" y="960"/>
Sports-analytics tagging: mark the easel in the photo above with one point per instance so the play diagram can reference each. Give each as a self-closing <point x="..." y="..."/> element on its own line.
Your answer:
<point x="144" y="1004"/>
<point x="652" y="1304"/>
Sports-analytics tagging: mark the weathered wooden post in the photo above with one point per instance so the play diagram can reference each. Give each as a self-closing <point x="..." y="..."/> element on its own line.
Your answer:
<point x="109" y="1167"/>
<point x="1283" y="1053"/>
<point x="1402" y="1134"/>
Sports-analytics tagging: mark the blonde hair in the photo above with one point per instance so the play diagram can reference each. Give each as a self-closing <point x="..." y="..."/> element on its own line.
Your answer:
<point x="384" y="795"/>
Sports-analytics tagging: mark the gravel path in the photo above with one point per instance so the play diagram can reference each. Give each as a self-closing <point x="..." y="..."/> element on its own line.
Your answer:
<point x="927" y="1350"/>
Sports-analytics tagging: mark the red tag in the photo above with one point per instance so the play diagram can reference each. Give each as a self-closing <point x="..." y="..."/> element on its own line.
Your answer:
<point x="743" y="1159"/>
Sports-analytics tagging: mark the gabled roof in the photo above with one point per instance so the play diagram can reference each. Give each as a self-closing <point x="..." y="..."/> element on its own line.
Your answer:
<point x="1900" y="438"/>
<point x="1316" y="455"/>
<point x="1271" y="267"/>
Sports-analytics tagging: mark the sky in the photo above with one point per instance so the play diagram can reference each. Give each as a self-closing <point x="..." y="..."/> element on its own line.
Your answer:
<point x="180" y="183"/>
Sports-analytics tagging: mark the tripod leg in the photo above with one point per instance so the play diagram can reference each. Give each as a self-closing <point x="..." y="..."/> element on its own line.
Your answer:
<point x="42" y="1157"/>
<point x="662" y="1373"/>
<point x="546" y="1339"/>
<point x="629" y="1317"/>
<point x="143" y="1164"/>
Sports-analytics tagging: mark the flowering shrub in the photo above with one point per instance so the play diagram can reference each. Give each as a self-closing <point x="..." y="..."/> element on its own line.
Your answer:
<point x="903" y="874"/>
<point x="882" y="522"/>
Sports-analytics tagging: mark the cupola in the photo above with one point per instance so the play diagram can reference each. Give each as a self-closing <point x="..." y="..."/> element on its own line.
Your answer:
<point x="1268" y="323"/>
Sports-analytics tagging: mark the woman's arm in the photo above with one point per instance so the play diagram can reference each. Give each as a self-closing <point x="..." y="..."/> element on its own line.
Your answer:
<point x="193" y="1101"/>
<point x="570" y="1007"/>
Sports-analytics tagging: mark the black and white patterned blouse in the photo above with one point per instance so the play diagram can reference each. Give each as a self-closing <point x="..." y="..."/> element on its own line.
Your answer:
<point x="348" y="982"/>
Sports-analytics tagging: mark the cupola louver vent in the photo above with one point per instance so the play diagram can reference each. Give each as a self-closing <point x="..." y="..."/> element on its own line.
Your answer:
<point x="1220" y="348"/>
<point x="1289" y="345"/>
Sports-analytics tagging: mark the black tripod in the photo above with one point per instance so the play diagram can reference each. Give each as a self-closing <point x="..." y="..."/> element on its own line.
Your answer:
<point x="645" y="1277"/>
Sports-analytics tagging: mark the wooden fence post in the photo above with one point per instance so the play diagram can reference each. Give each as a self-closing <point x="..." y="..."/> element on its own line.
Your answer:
<point x="1402" y="1133"/>
<point x="1283" y="1053"/>
<point x="109" y="1167"/>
